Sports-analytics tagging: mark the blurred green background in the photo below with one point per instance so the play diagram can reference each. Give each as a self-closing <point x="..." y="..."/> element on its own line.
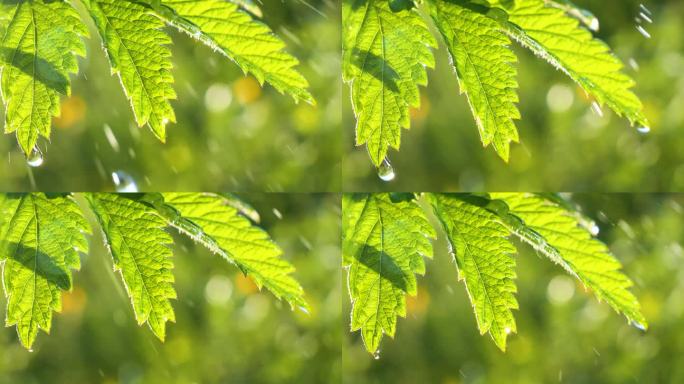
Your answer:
<point x="231" y="134"/>
<point x="226" y="331"/>
<point x="564" y="144"/>
<point x="564" y="334"/>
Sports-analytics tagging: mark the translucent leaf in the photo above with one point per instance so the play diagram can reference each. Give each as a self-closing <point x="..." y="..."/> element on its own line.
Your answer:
<point x="138" y="54"/>
<point x="384" y="241"/>
<point x="483" y="62"/>
<point x="38" y="52"/>
<point x="212" y="221"/>
<point x="40" y="237"/>
<point x="135" y="236"/>
<point x="558" y="38"/>
<point x="227" y="29"/>
<point x="385" y="52"/>
<point x="580" y="253"/>
<point x="484" y="256"/>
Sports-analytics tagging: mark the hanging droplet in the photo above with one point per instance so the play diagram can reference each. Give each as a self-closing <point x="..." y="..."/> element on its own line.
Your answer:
<point x="638" y="325"/>
<point x="376" y="355"/>
<point x="597" y="108"/>
<point x="386" y="172"/>
<point x="35" y="158"/>
<point x="594" y="23"/>
<point x="644" y="130"/>
<point x="594" y="229"/>
<point x="124" y="182"/>
<point x="303" y="309"/>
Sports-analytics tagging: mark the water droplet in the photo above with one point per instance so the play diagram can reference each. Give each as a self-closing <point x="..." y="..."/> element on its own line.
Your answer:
<point x="645" y="10"/>
<point x="643" y="31"/>
<point x="597" y="108"/>
<point x="507" y="330"/>
<point x="638" y="325"/>
<point x="594" y="229"/>
<point x="35" y="158"/>
<point x="124" y="182"/>
<point x="376" y="355"/>
<point x="645" y="17"/>
<point x="644" y="130"/>
<point x="303" y="309"/>
<point x="111" y="138"/>
<point x="386" y="172"/>
<point x="594" y="23"/>
<point x="277" y="213"/>
<point x="633" y="63"/>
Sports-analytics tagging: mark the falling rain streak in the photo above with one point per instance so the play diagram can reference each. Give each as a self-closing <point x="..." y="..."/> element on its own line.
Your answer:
<point x="645" y="17"/>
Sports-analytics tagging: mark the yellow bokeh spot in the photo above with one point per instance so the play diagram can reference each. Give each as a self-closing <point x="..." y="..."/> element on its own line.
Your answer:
<point x="72" y="112"/>
<point x="246" y="90"/>
<point x="74" y="302"/>
<point x="245" y="285"/>
<point x="418" y="304"/>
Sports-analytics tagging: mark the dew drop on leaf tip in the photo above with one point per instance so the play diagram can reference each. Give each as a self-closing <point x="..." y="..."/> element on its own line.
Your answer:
<point x="376" y="355"/>
<point x="386" y="172"/>
<point x="303" y="309"/>
<point x="35" y="158"/>
<point x="644" y="130"/>
<point x="124" y="182"/>
<point x="594" y="229"/>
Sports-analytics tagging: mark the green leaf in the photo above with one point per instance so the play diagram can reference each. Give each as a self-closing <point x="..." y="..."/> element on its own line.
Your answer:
<point x="138" y="54"/>
<point x="38" y="52"/>
<point x="135" y="236"/>
<point x="484" y="66"/>
<point x="227" y="29"/>
<point x="384" y="241"/>
<point x="484" y="256"/>
<point x="558" y="38"/>
<point x="385" y="53"/>
<point x="212" y="221"/>
<point x="580" y="253"/>
<point x="40" y="237"/>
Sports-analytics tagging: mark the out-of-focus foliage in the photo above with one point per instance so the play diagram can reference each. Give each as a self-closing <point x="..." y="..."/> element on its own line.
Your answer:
<point x="564" y="336"/>
<point x="565" y="145"/>
<point x="226" y="330"/>
<point x="231" y="134"/>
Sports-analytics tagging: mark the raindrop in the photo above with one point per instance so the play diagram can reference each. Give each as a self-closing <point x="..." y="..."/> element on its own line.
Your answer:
<point x="597" y="108"/>
<point x="593" y="23"/>
<point x="633" y="63"/>
<point x="277" y="213"/>
<point x="376" y="355"/>
<point x="643" y="31"/>
<point x="638" y="325"/>
<point x="594" y="229"/>
<point x="644" y="130"/>
<point x="646" y="17"/>
<point x="386" y="172"/>
<point x="35" y="158"/>
<point x="124" y="182"/>
<point x="507" y="330"/>
<point x="303" y="309"/>
<point x="111" y="138"/>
